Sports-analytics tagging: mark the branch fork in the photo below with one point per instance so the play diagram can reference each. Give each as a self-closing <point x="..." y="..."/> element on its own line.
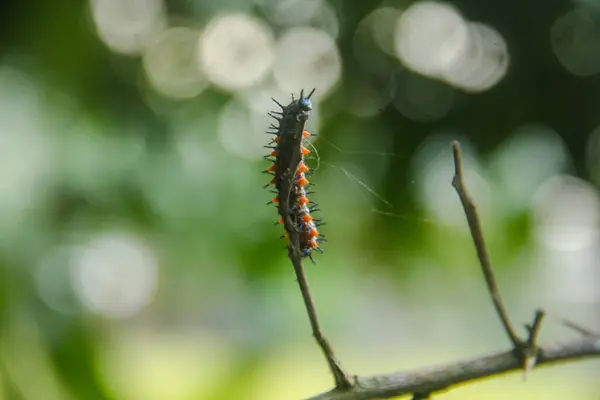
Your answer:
<point x="525" y="349"/>
<point x="525" y="353"/>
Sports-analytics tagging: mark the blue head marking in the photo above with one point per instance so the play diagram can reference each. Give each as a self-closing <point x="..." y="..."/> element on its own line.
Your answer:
<point x="305" y="104"/>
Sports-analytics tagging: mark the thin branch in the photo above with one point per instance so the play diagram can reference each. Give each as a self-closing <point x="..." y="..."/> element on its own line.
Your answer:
<point x="534" y="329"/>
<point x="342" y="380"/>
<point x="578" y="328"/>
<point x="478" y="240"/>
<point x="531" y="350"/>
<point x="441" y="378"/>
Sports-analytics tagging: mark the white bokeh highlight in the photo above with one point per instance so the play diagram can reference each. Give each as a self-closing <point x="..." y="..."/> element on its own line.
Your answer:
<point x="434" y="39"/>
<point x="484" y="62"/>
<point x="430" y="36"/>
<point x="127" y="26"/>
<point x="114" y="275"/>
<point x="307" y="58"/>
<point x="236" y="51"/>
<point x="533" y="154"/>
<point x="566" y="214"/>
<point x="171" y="66"/>
<point x="382" y="23"/>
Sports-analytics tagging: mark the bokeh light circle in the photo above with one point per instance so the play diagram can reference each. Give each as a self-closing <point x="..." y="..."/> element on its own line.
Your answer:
<point x="575" y="40"/>
<point x="114" y="275"/>
<point x="430" y="36"/>
<point x="170" y="63"/>
<point x="433" y="39"/>
<point x="236" y="51"/>
<point x="127" y="26"/>
<point x="306" y="58"/>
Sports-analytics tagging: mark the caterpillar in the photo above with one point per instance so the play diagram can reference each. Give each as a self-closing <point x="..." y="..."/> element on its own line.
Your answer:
<point x="289" y="173"/>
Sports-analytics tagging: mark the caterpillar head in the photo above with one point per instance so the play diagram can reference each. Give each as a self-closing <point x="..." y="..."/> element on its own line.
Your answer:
<point x="304" y="105"/>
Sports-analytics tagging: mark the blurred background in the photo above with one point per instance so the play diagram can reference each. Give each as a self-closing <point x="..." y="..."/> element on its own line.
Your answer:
<point x="138" y="259"/>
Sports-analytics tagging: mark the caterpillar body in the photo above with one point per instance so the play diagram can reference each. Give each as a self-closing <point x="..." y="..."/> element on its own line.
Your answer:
<point x="289" y="173"/>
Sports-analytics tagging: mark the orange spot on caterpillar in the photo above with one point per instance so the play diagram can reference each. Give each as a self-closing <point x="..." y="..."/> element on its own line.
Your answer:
<point x="272" y="168"/>
<point x="306" y="134"/>
<point x="302" y="200"/>
<point x="304" y="150"/>
<point x="276" y="199"/>
<point x="302" y="181"/>
<point x="274" y="153"/>
<point x="306" y="217"/>
<point x="302" y="167"/>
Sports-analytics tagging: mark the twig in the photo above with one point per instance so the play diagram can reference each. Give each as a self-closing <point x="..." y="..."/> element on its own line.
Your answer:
<point x="578" y="328"/>
<point x="478" y="240"/>
<point x="534" y="329"/>
<point x="531" y="350"/>
<point x="342" y="380"/>
<point x="441" y="378"/>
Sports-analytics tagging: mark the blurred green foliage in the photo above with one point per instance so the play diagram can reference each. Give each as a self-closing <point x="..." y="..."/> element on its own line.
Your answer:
<point x="201" y="303"/>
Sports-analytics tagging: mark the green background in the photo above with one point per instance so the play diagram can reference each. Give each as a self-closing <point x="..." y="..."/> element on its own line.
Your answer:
<point x="138" y="259"/>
